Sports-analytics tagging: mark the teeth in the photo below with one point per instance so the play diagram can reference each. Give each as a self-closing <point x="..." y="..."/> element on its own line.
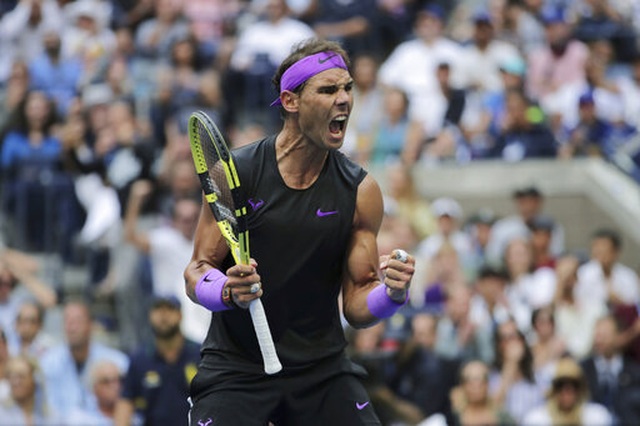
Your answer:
<point x="341" y="118"/>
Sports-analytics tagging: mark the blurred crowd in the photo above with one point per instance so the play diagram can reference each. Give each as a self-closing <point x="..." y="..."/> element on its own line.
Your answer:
<point x="505" y="326"/>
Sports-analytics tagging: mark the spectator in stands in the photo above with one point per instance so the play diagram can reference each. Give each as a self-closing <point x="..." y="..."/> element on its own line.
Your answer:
<point x="574" y="317"/>
<point x="55" y="74"/>
<point x="528" y="289"/>
<point x="489" y="305"/>
<point x="541" y="236"/>
<point x="524" y="134"/>
<point x="613" y="380"/>
<point x="482" y="131"/>
<point x="154" y="37"/>
<point x="412" y="67"/>
<point x="629" y="87"/>
<point x="106" y="384"/>
<point x="348" y="22"/>
<point x="604" y="19"/>
<point x="528" y="203"/>
<point x="26" y="404"/>
<point x="68" y="366"/>
<point x="522" y="25"/>
<point x="387" y="143"/>
<point x="19" y="282"/>
<point x="22" y="30"/>
<point x="407" y="201"/>
<point x="370" y="108"/>
<point x="32" y="340"/>
<point x="443" y="273"/>
<point x="12" y="93"/>
<point x="448" y="214"/>
<point x="458" y="337"/>
<point x="560" y="62"/>
<point x="546" y="346"/>
<point x="4" y="359"/>
<point x="567" y="401"/>
<point x="484" y="55"/>
<point x="423" y="377"/>
<point x="157" y="383"/>
<point x="261" y="47"/>
<point x="30" y="151"/>
<point x="604" y="279"/>
<point x="472" y="402"/>
<point x="177" y="86"/>
<point x="512" y="381"/>
<point x="168" y="248"/>
<point x="478" y="227"/>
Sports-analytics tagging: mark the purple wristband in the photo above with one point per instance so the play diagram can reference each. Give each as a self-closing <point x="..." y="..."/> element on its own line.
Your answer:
<point x="380" y="304"/>
<point x="209" y="290"/>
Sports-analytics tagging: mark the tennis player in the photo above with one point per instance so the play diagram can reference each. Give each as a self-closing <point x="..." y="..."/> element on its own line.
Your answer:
<point x="313" y="220"/>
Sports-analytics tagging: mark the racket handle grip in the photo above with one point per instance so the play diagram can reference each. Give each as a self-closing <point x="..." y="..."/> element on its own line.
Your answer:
<point x="271" y="362"/>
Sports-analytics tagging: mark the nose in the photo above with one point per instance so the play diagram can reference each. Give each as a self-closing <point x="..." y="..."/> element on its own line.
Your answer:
<point x="343" y="97"/>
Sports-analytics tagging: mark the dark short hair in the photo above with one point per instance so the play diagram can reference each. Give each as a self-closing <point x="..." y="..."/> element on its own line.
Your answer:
<point x="489" y="271"/>
<point x="306" y="48"/>
<point x="610" y="234"/>
<point x="529" y="191"/>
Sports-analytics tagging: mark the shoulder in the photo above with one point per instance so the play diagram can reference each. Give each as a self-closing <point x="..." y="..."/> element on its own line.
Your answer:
<point x="596" y="414"/>
<point x="537" y="416"/>
<point x="349" y="170"/>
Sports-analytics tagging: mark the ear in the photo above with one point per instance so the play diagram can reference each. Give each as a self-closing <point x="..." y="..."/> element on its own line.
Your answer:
<point x="289" y="101"/>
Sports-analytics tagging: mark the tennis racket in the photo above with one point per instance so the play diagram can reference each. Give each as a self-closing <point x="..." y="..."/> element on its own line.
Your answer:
<point x="221" y="186"/>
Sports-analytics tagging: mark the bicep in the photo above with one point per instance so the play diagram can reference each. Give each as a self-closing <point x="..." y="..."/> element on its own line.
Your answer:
<point x="362" y="255"/>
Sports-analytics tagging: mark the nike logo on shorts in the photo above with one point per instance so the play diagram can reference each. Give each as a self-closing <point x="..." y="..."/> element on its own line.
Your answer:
<point x="361" y="406"/>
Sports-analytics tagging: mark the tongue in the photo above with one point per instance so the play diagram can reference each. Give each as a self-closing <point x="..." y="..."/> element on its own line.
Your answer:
<point x="334" y="127"/>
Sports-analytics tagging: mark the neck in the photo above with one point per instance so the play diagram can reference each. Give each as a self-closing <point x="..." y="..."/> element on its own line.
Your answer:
<point x="108" y="408"/>
<point x="170" y="347"/>
<point x="299" y="162"/>
<point x="80" y="353"/>
<point x="27" y="405"/>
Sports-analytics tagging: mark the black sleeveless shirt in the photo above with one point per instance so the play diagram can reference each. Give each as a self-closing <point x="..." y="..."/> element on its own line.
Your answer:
<point x="299" y="239"/>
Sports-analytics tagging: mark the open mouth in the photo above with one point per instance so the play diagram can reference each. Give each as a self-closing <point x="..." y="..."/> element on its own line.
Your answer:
<point x="337" y="125"/>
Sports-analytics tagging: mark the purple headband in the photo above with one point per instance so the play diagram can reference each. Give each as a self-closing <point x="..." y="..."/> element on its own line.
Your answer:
<point x="306" y="68"/>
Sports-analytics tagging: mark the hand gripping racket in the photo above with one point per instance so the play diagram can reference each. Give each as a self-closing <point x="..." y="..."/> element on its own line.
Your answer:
<point x="221" y="186"/>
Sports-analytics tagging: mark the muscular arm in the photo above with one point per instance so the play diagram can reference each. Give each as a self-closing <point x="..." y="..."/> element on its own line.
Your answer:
<point x="363" y="264"/>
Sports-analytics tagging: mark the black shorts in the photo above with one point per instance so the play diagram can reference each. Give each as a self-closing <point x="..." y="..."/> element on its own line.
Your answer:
<point x="313" y="397"/>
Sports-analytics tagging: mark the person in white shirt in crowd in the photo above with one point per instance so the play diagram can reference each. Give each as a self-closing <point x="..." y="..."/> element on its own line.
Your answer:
<point x="528" y="289"/>
<point x="604" y="279"/>
<point x="67" y="367"/>
<point x="567" y="401"/>
<point x="169" y="249"/>
<point x="512" y="381"/>
<point x="448" y="214"/>
<point x="106" y="384"/>
<point x="484" y="55"/>
<point x="412" y="66"/>
<point x="575" y="319"/>
<point x="4" y="359"/>
<point x="529" y="203"/>
<point x="22" y="30"/>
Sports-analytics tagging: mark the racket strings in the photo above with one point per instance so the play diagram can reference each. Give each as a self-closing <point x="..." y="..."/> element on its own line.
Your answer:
<point x="218" y="177"/>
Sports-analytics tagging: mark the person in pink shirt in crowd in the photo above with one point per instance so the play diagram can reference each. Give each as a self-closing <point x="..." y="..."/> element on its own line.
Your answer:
<point x="560" y="62"/>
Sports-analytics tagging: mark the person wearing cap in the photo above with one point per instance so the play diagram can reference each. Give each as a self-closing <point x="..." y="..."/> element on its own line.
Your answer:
<point x="412" y="67"/>
<point x="560" y="62"/>
<point x="529" y="203"/>
<point x="156" y="386"/>
<point x="483" y="56"/>
<point x="568" y="401"/>
<point x="313" y="219"/>
<point x="448" y="214"/>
